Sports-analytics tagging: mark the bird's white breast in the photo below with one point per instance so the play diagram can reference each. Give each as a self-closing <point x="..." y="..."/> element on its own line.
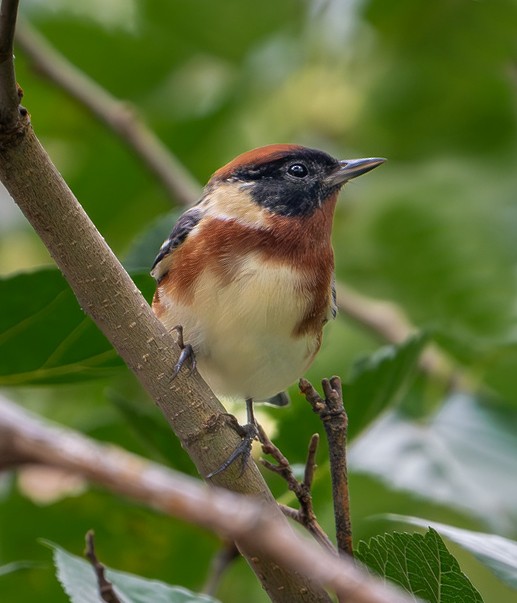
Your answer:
<point x="242" y="330"/>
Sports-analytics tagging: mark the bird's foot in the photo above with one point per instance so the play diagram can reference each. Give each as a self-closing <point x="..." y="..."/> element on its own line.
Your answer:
<point x="248" y="433"/>
<point x="187" y="353"/>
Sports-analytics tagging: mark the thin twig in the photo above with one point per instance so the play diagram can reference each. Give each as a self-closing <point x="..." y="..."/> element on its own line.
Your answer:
<point x="310" y="463"/>
<point x="302" y="490"/>
<point x="116" y="114"/>
<point x="9" y="99"/>
<point x="332" y="413"/>
<point x="240" y="518"/>
<point x="288" y="511"/>
<point x="106" y="590"/>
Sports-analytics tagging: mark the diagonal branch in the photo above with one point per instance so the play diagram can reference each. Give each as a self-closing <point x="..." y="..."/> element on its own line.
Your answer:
<point x="116" y="114"/>
<point x="29" y="439"/>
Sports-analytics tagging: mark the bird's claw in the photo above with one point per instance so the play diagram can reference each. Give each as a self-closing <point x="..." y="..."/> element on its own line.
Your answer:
<point x="248" y="433"/>
<point x="187" y="354"/>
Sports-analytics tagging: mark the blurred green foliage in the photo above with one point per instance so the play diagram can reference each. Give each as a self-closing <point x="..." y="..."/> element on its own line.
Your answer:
<point x="431" y="86"/>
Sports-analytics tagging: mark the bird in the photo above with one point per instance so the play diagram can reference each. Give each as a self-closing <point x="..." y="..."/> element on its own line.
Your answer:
<point x="246" y="277"/>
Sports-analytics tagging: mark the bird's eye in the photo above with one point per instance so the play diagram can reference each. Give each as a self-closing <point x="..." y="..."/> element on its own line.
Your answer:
<point x="298" y="170"/>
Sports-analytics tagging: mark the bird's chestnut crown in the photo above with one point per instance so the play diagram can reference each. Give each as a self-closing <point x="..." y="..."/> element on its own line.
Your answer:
<point x="290" y="180"/>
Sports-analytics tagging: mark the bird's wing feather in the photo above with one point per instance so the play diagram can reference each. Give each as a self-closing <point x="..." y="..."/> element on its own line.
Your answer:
<point x="185" y="224"/>
<point x="333" y="296"/>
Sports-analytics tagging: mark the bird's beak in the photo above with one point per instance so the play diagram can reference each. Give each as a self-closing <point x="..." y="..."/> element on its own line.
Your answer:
<point x="351" y="168"/>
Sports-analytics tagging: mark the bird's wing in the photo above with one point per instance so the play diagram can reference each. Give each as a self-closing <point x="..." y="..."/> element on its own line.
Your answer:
<point x="185" y="224"/>
<point x="281" y="399"/>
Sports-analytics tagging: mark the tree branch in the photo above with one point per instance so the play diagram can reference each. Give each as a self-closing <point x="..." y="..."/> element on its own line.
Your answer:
<point x="241" y="518"/>
<point x="332" y="413"/>
<point x="106" y="590"/>
<point x="8" y="91"/>
<point x="118" y="115"/>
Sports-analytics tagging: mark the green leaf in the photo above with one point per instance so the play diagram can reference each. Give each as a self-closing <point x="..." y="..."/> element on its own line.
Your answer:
<point x="79" y="582"/>
<point x="420" y="564"/>
<point x="495" y="552"/>
<point x="460" y="456"/>
<point x="379" y="380"/>
<point x="45" y="337"/>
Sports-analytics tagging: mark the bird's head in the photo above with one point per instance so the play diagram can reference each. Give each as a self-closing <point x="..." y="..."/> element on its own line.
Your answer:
<point x="290" y="180"/>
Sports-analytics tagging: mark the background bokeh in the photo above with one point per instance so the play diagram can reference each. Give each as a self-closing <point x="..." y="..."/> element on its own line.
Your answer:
<point x="429" y="85"/>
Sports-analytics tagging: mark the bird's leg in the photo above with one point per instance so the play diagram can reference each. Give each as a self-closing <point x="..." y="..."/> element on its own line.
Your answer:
<point x="250" y="415"/>
<point x="187" y="353"/>
<point x="248" y="433"/>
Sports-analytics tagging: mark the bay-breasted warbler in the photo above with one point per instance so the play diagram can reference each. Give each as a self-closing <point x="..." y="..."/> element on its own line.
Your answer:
<point x="248" y="272"/>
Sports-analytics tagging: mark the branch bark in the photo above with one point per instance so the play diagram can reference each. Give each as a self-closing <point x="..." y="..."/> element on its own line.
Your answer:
<point x="28" y="439"/>
<point x="8" y="91"/>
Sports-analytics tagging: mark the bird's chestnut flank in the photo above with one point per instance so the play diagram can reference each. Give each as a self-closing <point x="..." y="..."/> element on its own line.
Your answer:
<point x="248" y="272"/>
